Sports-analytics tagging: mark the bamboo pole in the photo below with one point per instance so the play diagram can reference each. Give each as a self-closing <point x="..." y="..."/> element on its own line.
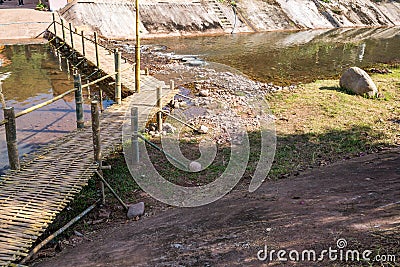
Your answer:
<point x="159" y="105"/>
<point x="96" y="46"/>
<point x="97" y="143"/>
<point x="33" y="108"/>
<point x="134" y="138"/>
<point x="111" y="190"/>
<point x="63" y="30"/>
<point x="2" y="100"/>
<point x="179" y="120"/>
<point x="11" y="138"/>
<point x="58" y="232"/>
<point x="83" y="44"/>
<point x="54" y="24"/>
<point x="59" y="60"/>
<point x="68" y="69"/>
<point x="88" y="89"/>
<point x="79" y="101"/>
<point x="101" y="99"/>
<point x="161" y="150"/>
<point x="137" y="49"/>
<point x="71" y="34"/>
<point x="118" y="86"/>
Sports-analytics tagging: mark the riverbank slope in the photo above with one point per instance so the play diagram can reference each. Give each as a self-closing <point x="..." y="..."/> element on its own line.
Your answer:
<point x="116" y="20"/>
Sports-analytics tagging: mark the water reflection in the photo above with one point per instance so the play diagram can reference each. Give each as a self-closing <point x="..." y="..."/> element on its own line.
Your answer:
<point x="34" y="76"/>
<point x="291" y="57"/>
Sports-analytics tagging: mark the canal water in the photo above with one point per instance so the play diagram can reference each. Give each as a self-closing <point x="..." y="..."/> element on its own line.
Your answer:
<point x="292" y="57"/>
<point x="31" y="74"/>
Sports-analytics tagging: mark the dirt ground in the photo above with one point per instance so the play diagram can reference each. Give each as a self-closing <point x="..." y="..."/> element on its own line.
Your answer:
<point x="357" y="200"/>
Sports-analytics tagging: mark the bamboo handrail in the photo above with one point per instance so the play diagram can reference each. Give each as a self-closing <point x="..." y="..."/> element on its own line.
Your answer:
<point x="86" y="38"/>
<point x="179" y="120"/>
<point x="43" y="104"/>
<point x="48" y="102"/>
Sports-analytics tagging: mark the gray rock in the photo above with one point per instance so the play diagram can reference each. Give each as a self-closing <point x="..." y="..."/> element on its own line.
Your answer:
<point x="169" y="128"/>
<point x="203" y="129"/>
<point x="135" y="210"/>
<point x="358" y="81"/>
<point x="194" y="166"/>
<point x="204" y="93"/>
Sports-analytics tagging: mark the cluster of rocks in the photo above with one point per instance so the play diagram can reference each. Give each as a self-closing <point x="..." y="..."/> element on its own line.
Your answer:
<point x="232" y="101"/>
<point x="167" y="128"/>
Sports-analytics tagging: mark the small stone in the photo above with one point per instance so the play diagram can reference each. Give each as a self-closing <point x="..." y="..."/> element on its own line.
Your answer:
<point x="176" y="104"/>
<point x="169" y="128"/>
<point x="135" y="210"/>
<point x="204" y="93"/>
<point x="203" y="129"/>
<point x="194" y="166"/>
<point x="152" y="127"/>
<point x="78" y="233"/>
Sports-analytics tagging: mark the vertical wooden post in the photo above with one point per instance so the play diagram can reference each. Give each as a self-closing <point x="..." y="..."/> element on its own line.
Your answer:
<point x="94" y="108"/>
<point x="134" y="138"/>
<point x="78" y="101"/>
<point x="59" y="60"/>
<point x="137" y="49"/>
<point x="71" y="34"/>
<point x="68" y="69"/>
<point x="63" y="30"/>
<point x="146" y="71"/>
<point x="2" y="100"/>
<point x="88" y="89"/>
<point x="117" y="59"/>
<point x="159" y="105"/>
<point x="97" y="50"/>
<point x="83" y="44"/>
<point x="101" y="99"/>
<point x="54" y="25"/>
<point x="171" y="85"/>
<point x="11" y="138"/>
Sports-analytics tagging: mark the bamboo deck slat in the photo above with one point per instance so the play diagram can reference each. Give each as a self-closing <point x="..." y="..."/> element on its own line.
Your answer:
<point x="49" y="179"/>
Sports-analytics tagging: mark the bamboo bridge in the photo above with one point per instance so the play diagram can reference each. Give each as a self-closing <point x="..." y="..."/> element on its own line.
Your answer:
<point x="31" y="197"/>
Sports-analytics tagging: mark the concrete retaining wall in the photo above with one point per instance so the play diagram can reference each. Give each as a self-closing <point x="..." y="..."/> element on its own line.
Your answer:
<point x="116" y="19"/>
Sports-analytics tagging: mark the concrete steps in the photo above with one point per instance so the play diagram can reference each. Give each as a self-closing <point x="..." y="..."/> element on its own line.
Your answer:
<point x="224" y="21"/>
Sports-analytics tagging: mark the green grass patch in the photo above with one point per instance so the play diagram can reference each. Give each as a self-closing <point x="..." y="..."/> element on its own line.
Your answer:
<point x="320" y="123"/>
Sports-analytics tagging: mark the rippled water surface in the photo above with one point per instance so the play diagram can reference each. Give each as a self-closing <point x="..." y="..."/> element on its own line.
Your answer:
<point x="291" y="57"/>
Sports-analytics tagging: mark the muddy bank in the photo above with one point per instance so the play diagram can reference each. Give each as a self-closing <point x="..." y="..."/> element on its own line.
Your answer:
<point x="173" y="18"/>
